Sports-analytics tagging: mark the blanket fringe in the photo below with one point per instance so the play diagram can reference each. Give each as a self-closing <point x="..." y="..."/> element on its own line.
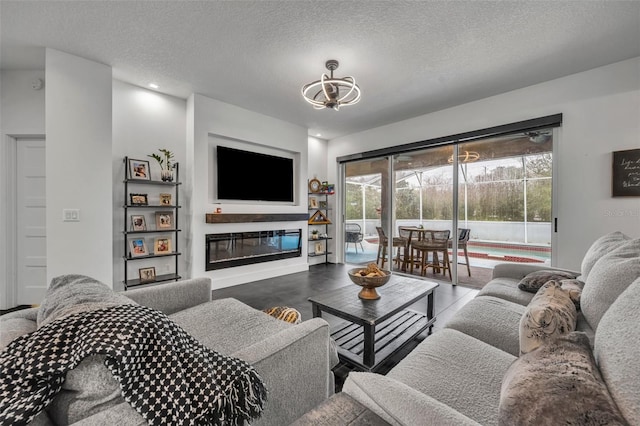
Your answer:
<point x="244" y="400"/>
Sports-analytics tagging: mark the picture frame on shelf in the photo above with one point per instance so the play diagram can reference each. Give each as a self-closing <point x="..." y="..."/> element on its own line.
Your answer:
<point x="165" y="199"/>
<point x="138" y="199"/>
<point x="319" y="248"/>
<point x="138" y="222"/>
<point x="137" y="247"/>
<point x="139" y="169"/>
<point x="147" y="275"/>
<point x="164" y="220"/>
<point x="162" y="245"/>
<point x="313" y="202"/>
<point x="322" y="204"/>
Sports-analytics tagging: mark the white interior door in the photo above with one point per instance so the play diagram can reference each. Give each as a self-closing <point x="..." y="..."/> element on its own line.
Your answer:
<point x="31" y="221"/>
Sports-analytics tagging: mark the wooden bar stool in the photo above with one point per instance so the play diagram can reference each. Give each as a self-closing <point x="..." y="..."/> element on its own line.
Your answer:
<point x="436" y="243"/>
<point x="383" y="242"/>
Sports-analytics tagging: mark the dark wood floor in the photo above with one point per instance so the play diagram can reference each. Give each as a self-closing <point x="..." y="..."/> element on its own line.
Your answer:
<point x="293" y="290"/>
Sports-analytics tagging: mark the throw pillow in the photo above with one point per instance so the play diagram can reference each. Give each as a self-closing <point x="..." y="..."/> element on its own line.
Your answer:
<point x="533" y="281"/>
<point x="550" y="314"/>
<point x="599" y="248"/>
<point x="574" y="289"/>
<point x="609" y="277"/>
<point x="284" y="313"/>
<point x="70" y="294"/>
<point x="559" y="383"/>
<point x="90" y="387"/>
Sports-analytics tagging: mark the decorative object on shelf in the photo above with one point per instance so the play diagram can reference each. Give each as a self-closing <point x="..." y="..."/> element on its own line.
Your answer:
<point x="319" y="249"/>
<point x="166" y="166"/>
<point x="138" y="222"/>
<point x="165" y="199"/>
<point x="137" y="247"/>
<point x="319" y="218"/>
<point x="626" y="173"/>
<point x="138" y="199"/>
<point x="147" y="275"/>
<point x="162" y="246"/>
<point x="369" y="279"/>
<point x="139" y="169"/>
<point x="314" y="185"/>
<point x="331" y="92"/>
<point x="313" y="203"/>
<point x="322" y="204"/>
<point x="314" y="234"/>
<point x="164" y="220"/>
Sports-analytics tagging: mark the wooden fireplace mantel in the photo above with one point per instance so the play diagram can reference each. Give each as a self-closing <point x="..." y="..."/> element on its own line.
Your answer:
<point x="254" y="217"/>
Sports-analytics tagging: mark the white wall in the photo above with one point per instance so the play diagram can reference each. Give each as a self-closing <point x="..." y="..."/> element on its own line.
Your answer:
<point x="21" y="114"/>
<point x="601" y="110"/>
<point x="207" y="121"/>
<point x="143" y="122"/>
<point x="79" y="173"/>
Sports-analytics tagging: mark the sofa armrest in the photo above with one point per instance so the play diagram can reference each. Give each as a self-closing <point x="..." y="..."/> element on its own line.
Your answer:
<point x="399" y="404"/>
<point x="518" y="271"/>
<point x="173" y="297"/>
<point x="295" y="365"/>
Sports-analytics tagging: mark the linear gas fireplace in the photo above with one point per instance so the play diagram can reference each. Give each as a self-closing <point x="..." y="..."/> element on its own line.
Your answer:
<point x="244" y="248"/>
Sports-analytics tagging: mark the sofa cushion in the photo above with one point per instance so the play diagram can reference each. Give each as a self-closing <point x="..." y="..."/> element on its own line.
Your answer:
<point x="490" y="320"/>
<point x="559" y="383"/>
<point x="70" y="294"/>
<point x="574" y="289"/>
<point x="227" y="325"/>
<point x="507" y="289"/>
<point x="533" y="281"/>
<point x="399" y="404"/>
<point x="457" y="370"/>
<point x="609" y="277"/>
<point x="550" y="314"/>
<point x="12" y="328"/>
<point x="617" y="352"/>
<point x="599" y="248"/>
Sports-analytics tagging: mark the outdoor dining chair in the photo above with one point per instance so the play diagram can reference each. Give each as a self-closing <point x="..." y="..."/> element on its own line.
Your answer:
<point x="383" y="242"/>
<point x="436" y="243"/>
<point x="353" y="234"/>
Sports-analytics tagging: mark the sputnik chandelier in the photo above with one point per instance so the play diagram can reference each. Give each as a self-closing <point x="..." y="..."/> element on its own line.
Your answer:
<point x="331" y="92"/>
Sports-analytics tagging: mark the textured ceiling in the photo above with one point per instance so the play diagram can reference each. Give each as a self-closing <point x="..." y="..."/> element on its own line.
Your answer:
<point x="409" y="57"/>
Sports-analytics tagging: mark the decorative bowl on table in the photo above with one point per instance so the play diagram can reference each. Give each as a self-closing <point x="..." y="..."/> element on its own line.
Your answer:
<point x="368" y="282"/>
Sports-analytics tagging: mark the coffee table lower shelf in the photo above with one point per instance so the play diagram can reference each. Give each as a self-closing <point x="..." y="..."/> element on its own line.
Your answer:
<point x="390" y="337"/>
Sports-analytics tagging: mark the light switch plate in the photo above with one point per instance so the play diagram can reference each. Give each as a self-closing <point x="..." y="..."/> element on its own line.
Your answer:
<point x="71" y="215"/>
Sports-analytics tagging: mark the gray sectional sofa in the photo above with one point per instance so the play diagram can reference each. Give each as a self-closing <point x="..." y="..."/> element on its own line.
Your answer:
<point x="294" y="361"/>
<point x="460" y="375"/>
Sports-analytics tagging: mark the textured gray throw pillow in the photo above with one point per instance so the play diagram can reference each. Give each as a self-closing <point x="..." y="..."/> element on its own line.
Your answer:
<point x="550" y="314"/>
<point x="533" y="281"/>
<point x="557" y="384"/>
<point x="599" y="248"/>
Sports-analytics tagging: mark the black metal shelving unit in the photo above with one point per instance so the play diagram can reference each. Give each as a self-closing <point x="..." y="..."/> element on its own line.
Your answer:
<point x="324" y="240"/>
<point x="127" y="232"/>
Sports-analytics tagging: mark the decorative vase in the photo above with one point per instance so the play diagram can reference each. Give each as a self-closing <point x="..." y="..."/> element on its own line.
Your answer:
<point x="167" y="175"/>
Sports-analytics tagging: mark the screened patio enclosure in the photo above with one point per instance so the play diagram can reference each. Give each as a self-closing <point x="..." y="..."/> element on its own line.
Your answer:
<point x="504" y="189"/>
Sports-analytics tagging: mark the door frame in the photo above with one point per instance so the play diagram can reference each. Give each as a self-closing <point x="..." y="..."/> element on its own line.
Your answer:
<point x="8" y="226"/>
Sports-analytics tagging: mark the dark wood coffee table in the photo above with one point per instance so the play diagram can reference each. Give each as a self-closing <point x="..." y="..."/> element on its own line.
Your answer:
<point x="375" y="330"/>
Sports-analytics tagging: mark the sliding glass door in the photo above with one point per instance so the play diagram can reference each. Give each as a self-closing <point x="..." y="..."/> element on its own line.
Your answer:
<point x="492" y="196"/>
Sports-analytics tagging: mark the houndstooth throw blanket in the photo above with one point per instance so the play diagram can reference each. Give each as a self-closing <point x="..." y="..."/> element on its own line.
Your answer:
<point x="165" y="374"/>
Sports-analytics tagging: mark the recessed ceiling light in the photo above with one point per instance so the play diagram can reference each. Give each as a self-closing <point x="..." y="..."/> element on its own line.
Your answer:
<point x="154" y="86"/>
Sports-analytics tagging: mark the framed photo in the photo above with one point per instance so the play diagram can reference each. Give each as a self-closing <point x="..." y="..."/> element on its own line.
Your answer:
<point x="138" y="222"/>
<point x="147" y="275"/>
<point x="138" y="199"/>
<point x="164" y="220"/>
<point x="139" y="169"/>
<point x="137" y="247"/>
<point x="626" y="173"/>
<point x="165" y="199"/>
<point x="313" y="202"/>
<point x="322" y="204"/>
<point x="162" y="246"/>
<point x="319" y="249"/>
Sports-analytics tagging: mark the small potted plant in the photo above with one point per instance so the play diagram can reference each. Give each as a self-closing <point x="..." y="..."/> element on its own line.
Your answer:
<point x="314" y="234"/>
<point x="166" y="165"/>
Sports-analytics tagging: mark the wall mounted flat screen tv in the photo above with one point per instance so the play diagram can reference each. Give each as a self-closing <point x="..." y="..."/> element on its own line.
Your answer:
<point x="251" y="176"/>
